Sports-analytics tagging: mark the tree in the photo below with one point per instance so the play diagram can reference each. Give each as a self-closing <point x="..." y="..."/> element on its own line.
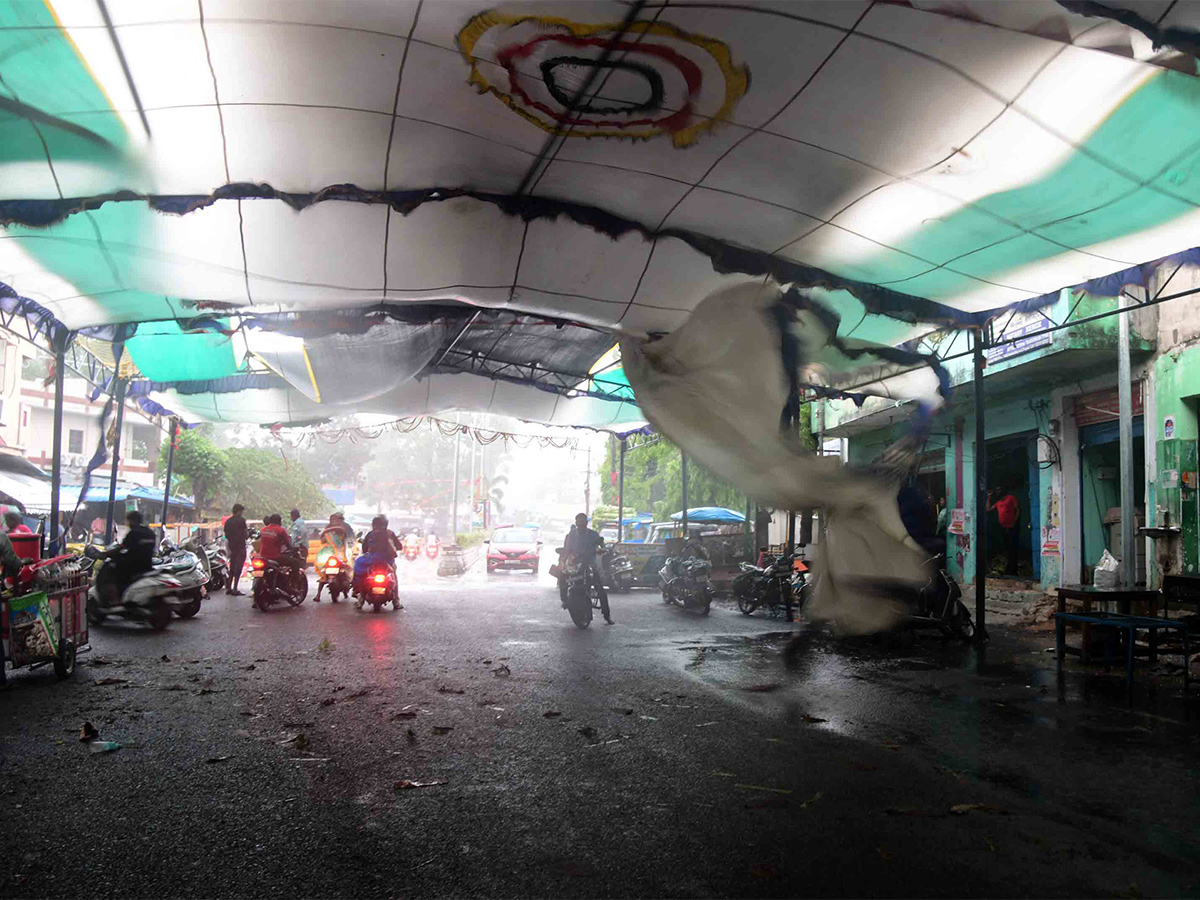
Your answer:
<point x="264" y="483"/>
<point x="198" y="467"/>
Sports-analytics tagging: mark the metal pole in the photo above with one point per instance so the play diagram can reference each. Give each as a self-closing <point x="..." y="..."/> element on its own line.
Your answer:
<point x="471" y="504"/>
<point x="454" y="502"/>
<point x="116" y="459"/>
<point x="821" y="453"/>
<point x="170" y="464"/>
<point x="60" y="371"/>
<point x="683" y="472"/>
<point x="587" y="484"/>
<point x="981" y="492"/>
<point x="1125" y="435"/>
<point x="791" y="534"/>
<point x="621" y="494"/>
<point x="749" y="542"/>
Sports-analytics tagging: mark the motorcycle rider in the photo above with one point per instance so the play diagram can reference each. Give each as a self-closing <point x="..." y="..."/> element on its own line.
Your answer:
<point x="379" y="545"/>
<point x="134" y="555"/>
<point x="586" y="544"/>
<point x="237" y="532"/>
<point x="340" y="537"/>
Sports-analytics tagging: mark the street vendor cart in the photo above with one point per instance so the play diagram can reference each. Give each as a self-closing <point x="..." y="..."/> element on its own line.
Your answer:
<point x="43" y="618"/>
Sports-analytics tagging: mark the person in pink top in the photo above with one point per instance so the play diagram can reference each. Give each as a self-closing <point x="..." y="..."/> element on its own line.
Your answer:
<point x="1009" y="512"/>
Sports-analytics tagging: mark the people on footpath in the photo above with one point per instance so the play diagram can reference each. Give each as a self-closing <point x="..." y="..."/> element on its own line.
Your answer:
<point x="586" y="543"/>
<point x="237" y="533"/>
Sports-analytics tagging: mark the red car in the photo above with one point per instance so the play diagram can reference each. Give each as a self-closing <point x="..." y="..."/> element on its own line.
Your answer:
<point x="512" y="549"/>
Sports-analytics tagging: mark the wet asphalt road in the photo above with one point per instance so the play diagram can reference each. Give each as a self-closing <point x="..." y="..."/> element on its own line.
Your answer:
<point x="668" y="755"/>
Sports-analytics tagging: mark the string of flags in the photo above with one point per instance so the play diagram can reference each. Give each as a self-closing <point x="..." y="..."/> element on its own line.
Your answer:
<point x="406" y="424"/>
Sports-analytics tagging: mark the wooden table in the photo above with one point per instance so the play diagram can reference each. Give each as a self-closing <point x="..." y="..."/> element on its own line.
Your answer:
<point x="1089" y="594"/>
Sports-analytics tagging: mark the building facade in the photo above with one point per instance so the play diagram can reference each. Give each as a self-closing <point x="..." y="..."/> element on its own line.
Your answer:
<point x="27" y="419"/>
<point x="1052" y="437"/>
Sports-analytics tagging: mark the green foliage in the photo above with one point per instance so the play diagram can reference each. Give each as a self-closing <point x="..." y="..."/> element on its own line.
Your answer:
<point x="264" y="483"/>
<point x="468" y="539"/>
<point x="198" y="468"/>
<point x="654" y="482"/>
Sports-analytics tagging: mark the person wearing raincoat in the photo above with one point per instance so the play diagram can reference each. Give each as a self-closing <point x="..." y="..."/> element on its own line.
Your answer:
<point x="337" y="540"/>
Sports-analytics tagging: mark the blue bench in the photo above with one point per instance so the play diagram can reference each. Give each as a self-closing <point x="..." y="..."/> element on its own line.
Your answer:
<point x="1131" y="625"/>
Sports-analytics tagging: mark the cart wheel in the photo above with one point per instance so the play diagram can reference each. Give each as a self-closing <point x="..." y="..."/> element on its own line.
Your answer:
<point x="64" y="663"/>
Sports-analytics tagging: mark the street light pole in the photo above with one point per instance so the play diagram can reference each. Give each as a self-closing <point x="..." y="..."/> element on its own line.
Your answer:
<point x="116" y="459"/>
<point x="981" y="491"/>
<point x="621" y="494"/>
<point x="170" y="464"/>
<point x="60" y="366"/>
<point x="454" y="501"/>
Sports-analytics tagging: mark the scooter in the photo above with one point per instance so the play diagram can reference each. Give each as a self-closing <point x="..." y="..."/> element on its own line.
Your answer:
<point x="150" y="598"/>
<point x="333" y="570"/>
<point x="412" y="547"/>
<point x="378" y="586"/>
<point x="431" y="546"/>
<point x="939" y="605"/>
<point x="189" y="565"/>
<point x="619" y="571"/>
<point x="686" y="581"/>
<point x="278" y="581"/>
<point x="218" y="565"/>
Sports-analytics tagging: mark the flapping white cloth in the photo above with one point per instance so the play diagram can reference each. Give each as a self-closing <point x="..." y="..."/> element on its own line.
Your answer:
<point x="716" y="386"/>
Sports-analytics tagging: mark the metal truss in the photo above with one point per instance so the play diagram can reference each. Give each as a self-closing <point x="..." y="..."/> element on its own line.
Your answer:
<point x="565" y="383"/>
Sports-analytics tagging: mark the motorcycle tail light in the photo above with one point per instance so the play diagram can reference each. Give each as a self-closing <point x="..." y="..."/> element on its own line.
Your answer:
<point x="380" y="578"/>
<point x="332" y="566"/>
<point x="258" y="562"/>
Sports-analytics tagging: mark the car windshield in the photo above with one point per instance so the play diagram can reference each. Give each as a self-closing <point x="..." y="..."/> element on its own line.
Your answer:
<point x="514" y="536"/>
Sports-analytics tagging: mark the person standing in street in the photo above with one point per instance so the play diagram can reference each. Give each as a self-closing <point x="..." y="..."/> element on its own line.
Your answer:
<point x="1009" y="511"/>
<point x="586" y="543"/>
<point x="237" y="532"/>
<point x="299" y="532"/>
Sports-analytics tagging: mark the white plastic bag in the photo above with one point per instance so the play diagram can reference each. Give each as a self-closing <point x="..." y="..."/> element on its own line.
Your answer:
<point x="1105" y="575"/>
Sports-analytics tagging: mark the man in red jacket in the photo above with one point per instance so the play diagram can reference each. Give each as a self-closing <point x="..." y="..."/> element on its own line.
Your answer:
<point x="1009" y="512"/>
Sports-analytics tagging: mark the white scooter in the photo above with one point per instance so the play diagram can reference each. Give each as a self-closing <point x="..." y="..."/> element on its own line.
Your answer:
<point x="151" y="598"/>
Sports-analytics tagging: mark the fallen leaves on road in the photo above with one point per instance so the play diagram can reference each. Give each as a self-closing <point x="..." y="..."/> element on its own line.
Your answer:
<point x="164" y="658"/>
<point x="706" y="724"/>
<point x="358" y="694"/>
<point x="622" y="710"/>
<point x="249" y="668"/>
<point x="885" y="855"/>
<point x="725" y="774"/>
<point x="326" y="645"/>
<point x="811" y="800"/>
<point x="761" y="787"/>
<point x="914" y="812"/>
<point x="103" y="746"/>
<point x="442" y="729"/>
<point x="405" y="713"/>
<point x="204" y="691"/>
<point x="111" y="680"/>
<point x="588" y="732"/>
<point x="551" y="714"/>
<point x="649" y="718"/>
<point x="812" y="720"/>
<point x="406" y="785"/>
<point x="449" y="690"/>
<point x="412" y="736"/>
<point x="502" y="671"/>
<point x="218" y="759"/>
<point x="329" y="701"/>
<point x="100" y="661"/>
<point x="88" y="732"/>
<point x="298" y="739"/>
<point x="762" y="688"/>
<point x="174" y="687"/>
<point x="961" y="809"/>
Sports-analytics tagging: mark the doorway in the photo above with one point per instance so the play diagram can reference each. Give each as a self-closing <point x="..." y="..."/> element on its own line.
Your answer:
<point x="1012" y="468"/>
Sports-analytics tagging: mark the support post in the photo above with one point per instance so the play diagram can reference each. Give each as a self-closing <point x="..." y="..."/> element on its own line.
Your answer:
<point x="471" y="503"/>
<point x="115" y="461"/>
<point x="587" y="485"/>
<point x="749" y="542"/>
<point x="821" y="454"/>
<point x="454" y="501"/>
<point x="1125" y="436"/>
<point x="683" y="474"/>
<point x="170" y="465"/>
<point x="60" y="371"/>
<point x="981" y="491"/>
<point x="791" y="534"/>
<point x="621" y="493"/>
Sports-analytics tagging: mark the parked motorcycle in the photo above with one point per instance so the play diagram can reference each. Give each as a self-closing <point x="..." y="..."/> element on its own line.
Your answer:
<point x="278" y="581"/>
<point x="777" y="587"/>
<point x="685" y="580"/>
<point x="576" y="594"/>
<point x="189" y="565"/>
<point x="150" y="598"/>
<point x="218" y="566"/>
<point x="378" y="586"/>
<point x="618" y="571"/>
<point x="939" y="605"/>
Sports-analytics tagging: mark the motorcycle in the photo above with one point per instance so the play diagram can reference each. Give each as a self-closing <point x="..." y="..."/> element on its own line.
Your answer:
<point x="412" y="547"/>
<point x="151" y="597"/>
<point x="189" y="565"/>
<point x="378" y="586"/>
<point x="218" y="566"/>
<point x="333" y="569"/>
<point x="618" y="571"/>
<point x="576" y="594"/>
<point x="939" y="605"/>
<point x="431" y="546"/>
<point x="777" y="586"/>
<point x="686" y="581"/>
<point x="278" y="581"/>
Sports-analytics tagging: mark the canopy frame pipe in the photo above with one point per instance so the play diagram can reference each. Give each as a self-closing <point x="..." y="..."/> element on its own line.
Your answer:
<point x="60" y="366"/>
<point x="683" y="474"/>
<point x="621" y="493"/>
<point x="170" y="465"/>
<point x="454" y="501"/>
<point x="1125" y="437"/>
<point x="119" y="396"/>
<point x="981" y="487"/>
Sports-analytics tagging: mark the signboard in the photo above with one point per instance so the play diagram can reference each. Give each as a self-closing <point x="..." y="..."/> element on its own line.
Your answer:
<point x="958" y="521"/>
<point x="1051" y="541"/>
<point x="1101" y="406"/>
<point x="1030" y="336"/>
<point x="1168" y="427"/>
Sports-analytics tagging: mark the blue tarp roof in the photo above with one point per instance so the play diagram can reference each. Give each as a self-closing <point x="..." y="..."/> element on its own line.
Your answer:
<point x="718" y="514"/>
<point x="639" y="519"/>
<point x="98" y="493"/>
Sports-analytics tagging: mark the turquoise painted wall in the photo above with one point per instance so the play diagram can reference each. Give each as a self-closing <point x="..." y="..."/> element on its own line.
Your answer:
<point x="1176" y="389"/>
